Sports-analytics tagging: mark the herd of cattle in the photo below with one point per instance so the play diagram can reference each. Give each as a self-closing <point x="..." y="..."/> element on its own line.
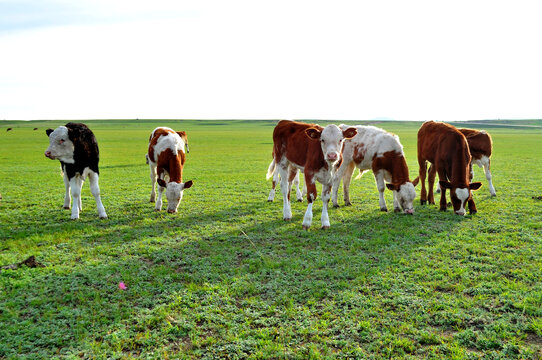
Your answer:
<point x="325" y="154"/>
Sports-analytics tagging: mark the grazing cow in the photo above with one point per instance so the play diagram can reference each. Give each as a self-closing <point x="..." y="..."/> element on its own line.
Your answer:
<point x="276" y="179"/>
<point x="480" y="146"/>
<point x="35" y="128"/>
<point x="376" y="149"/>
<point x="315" y="151"/>
<point x="9" y="129"/>
<point x="447" y="149"/>
<point x="166" y="159"/>
<point x="75" y="146"/>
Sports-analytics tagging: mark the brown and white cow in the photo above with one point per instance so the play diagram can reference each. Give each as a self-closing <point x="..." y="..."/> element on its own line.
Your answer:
<point x="75" y="146"/>
<point x="376" y="149"/>
<point x="314" y="150"/>
<point x="166" y="158"/>
<point x="447" y="149"/>
<point x="481" y="147"/>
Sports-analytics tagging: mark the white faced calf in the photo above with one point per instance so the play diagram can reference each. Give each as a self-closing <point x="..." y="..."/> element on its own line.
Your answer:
<point x="166" y="159"/>
<point x="75" y="146"/>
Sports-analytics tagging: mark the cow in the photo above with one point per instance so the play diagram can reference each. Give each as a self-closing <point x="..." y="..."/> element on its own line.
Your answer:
<point x="276" y="179"/>
<point x="9" y="129"/>
<point x="166" y="157"/>
<point x="75" y="146"/>
<point x="380" y="151"/>
<point x="312" y="149"/>
<point x="447" y="149"/>
<point x="480" y="146"/>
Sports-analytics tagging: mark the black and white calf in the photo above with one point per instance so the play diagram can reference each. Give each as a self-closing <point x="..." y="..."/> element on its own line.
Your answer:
<point x="75" y="146"/>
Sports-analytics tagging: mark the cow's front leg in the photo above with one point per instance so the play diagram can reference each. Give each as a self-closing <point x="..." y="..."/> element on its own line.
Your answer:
<point x="311" y="196"/>
<point x="472" y="207"/>
<point x="443" y="203"/>
<point x="381" y="186"/>
<point x="158" y="205"/>
<point x="488" y="177"/>
<point x="67" y="196"/>
<point x="285" y="189"/>
<point x="95" y="190"/>
<point x="326" y="195"/>
<point x="431" y="183"/>
<point x="76" y="183"/>
<point x="422" y="174"/>
<point x="396" y="205"/>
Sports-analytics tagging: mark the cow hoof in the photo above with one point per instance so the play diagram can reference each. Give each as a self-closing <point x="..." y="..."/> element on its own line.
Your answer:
<point x="157" y="209"/>
<point x="305" y="227"/>
<point x="151" y="201"/>
<point x="103" y="217"/>
<point x="397" y="210"/>
<point x="423" y="202"/>
<point x="67" y="207"/>
<point x="384" y="209"/>
<point x="300" y="200"/>
<point x="269" y="200"/>
<point x="473" y="212"/>
<point x="325" y="227"/>
<point x="336" y="206"/>
<point x="287" y="219"/>
<point x="442" y="209"/>
<point x="348" y="203"/>
<point x="493" y="195"/>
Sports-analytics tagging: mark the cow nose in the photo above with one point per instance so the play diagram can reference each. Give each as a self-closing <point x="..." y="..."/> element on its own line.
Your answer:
<point x="332" y="156"/>
<point x="171" y="211"/>
<point x="48" y="153"/>
<point x="460" y="212"/>
<point x="409" y="211"/>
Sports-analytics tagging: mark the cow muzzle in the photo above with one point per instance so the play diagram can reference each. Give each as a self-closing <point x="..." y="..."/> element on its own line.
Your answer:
<point x="409" y="211"/>
<point x="49" y="155"/>
<point x="461" y="212"/>
<point x="332" y="156"/>
<point x="172" y="211"/>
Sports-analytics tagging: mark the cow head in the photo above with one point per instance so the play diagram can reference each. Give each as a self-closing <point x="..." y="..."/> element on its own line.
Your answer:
<point x="405" y="194"/>
<point x="61" y="147"/>
<point x="174" y="193"/>
<point x="460" y="195"/>
<point x="331" y="140"/>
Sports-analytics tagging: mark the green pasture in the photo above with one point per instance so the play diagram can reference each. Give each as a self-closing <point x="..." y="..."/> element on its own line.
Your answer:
<point x="227" y="278"/>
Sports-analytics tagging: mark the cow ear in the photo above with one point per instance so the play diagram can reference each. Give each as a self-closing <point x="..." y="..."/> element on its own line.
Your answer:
<point x="182" y="134"/>
<point x="445" y="184"/>
<point x="188" y="184"/>
<point x="415" y="181"/>
<point x="392" y="187"/>
<point x="49" y="131"/>
<point x="162" y="183"/>
<point x="350" y="133"/>
<point x="313" y="133"/>
<point x="475" y="185"/>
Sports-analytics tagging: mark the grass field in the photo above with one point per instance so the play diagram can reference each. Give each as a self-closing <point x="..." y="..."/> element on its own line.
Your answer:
<point x="227" y="278"/>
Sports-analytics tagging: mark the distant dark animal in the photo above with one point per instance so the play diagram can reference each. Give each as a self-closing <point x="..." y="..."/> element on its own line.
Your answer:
<point x="315" y="151"/>
<point x="447" y="149"/>
<point x="376" y="149"/>
<point x="166" y="158"/>
<point x="75" y="146"/>
<point x="35" y="128"/>
<point x="9" y="129"/>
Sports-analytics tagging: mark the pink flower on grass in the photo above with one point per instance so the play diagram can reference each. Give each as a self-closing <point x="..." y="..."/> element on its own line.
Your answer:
<point x="122" y="286"/>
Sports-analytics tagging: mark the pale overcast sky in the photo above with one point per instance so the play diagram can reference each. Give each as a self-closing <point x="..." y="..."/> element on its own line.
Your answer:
<point x="397" y="59"/>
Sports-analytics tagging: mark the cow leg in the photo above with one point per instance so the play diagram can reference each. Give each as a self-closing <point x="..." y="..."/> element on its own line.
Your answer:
<point x="422" y="174"/>
<point x="326" y="195"/>
<point x="67" y="197"/>
<point x="347" y="178"/>
<point x="298" y="193"/>
<point x="311" y="196"/>
<point x="381" y="186"/>
<point x="95" y="190"/>
<point x="431" y="183"/>
<point x="284" y="188"/>
<point x="76" y="183"/>
<point x="336" y="181"/>
<point x="443" y="202"/>
<point x="274" y="181"/>
<point x="488" y="177"/>
<point x="472" y="207"/>
<point x="396" y="205"/>
<point x="153" y="182"/>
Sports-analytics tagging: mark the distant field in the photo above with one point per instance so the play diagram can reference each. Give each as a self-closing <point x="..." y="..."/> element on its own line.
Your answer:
<point x="228" y="278"/>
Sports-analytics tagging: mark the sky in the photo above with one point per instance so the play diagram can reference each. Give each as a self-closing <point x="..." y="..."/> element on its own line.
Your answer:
<point x="237" y="59"/>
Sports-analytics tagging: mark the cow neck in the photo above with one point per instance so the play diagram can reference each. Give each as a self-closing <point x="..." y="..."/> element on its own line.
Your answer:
<point x="396" y="165"/>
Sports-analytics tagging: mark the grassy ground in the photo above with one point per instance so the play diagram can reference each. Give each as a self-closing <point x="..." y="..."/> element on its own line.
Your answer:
<point x="228" y="278"/>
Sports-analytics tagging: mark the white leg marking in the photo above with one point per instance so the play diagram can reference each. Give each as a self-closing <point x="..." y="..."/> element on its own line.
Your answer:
<point x="95" y="190"/>
<point x="153" y="182"/>
<point x="381" y="186"/>
<point x="307" y="220"/>
<point x="298" y="193"/>
<point x="486" y="163"/>
<point x="75" y="185"/>
<point x="396" y="205"/>
<point x="326" y="195"/>
<point x="284" y="187"/>
<point x="158" y="205"/>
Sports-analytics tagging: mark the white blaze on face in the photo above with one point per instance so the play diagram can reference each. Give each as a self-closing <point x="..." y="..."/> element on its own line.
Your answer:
<point x="462" y="194"/>
<point x="406" y="195"/>
<point x="60" y="146"/>
<point x="331" y="140"/>
<point x="174" y="194"/>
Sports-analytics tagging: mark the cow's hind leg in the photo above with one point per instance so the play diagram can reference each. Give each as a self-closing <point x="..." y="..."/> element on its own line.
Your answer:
<point x="431" y="183"/>
<point x="422" y="175"/>
<point x="488" y="177"/>
<point x="95" y="190"/>
<point x="298" y="193"/>
<point x="311" y="196"/>
<point x="153" y="181"/>
<point x="285" y="189"/>
<point x="274" y="182"/>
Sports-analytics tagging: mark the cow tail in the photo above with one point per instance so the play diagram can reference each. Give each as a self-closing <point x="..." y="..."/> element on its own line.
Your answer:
<point x="271" y="169"/>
